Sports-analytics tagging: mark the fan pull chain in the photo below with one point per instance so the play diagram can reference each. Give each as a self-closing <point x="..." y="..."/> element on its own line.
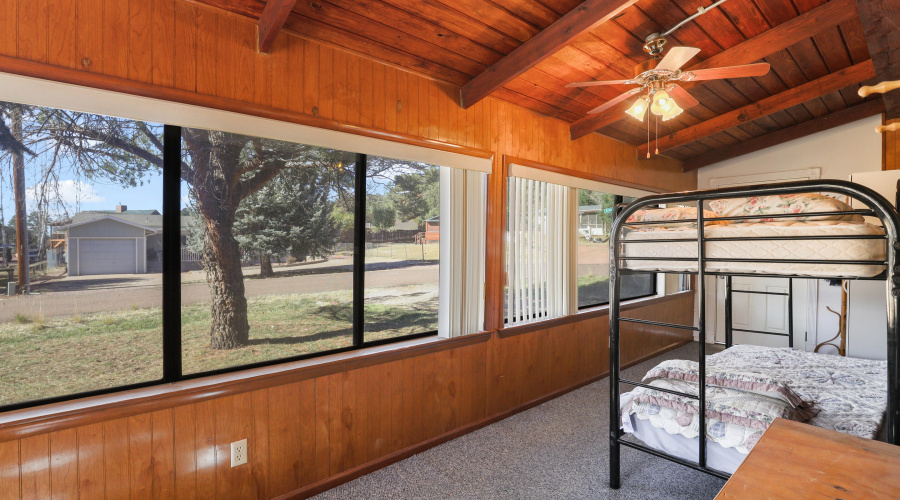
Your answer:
<point x="648" y="137"/>
<point x="657" y="134"/>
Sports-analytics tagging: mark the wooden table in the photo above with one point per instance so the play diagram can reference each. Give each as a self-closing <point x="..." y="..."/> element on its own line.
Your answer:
<point x="794" y="460"/>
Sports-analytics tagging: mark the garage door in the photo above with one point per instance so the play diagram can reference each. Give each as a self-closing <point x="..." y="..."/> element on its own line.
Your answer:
<point x="106" y="256"/>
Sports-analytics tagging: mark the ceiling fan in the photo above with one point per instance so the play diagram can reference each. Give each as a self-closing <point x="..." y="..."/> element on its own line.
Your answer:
<point x="659" y="77"/>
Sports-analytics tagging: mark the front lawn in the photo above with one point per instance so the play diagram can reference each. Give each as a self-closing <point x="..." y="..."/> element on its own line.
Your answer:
<point x="45" y="358"/>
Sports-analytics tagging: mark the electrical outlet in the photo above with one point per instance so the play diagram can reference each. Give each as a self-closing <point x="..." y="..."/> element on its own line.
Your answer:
<point x="239" y="453"/>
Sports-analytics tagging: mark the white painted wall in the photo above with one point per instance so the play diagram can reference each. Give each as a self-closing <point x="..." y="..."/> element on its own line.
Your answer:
<point x="838" y="152"/>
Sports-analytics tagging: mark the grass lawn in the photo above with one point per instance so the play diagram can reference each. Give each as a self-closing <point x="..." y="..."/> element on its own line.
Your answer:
<point x="79" y="353"/>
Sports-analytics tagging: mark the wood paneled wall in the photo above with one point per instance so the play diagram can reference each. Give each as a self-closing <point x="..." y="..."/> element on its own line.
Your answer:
<point x="891" y="153"/>
<point x="322" y="429"/>
<point x="317" y="430"/>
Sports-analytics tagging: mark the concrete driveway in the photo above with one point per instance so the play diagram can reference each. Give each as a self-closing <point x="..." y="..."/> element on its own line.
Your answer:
<point x="91" y="294"/>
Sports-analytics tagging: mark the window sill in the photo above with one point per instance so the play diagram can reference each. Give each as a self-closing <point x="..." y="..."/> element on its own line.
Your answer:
<point x="52" y="417"/>
<point x="589" y="313"/>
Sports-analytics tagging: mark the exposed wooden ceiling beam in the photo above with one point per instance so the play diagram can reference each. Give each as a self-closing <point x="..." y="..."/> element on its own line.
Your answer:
<point x="790" y="97"/>
<point x="881" y="23"/>
<point x="271" y="20"/>
<point x="778" y="38"/>
<point x="836" y="119"/>
<point x="580" y="20"/>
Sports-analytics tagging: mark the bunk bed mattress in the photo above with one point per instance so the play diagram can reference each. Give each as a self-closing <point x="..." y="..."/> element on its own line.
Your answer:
<point x="849" y="249"/>
<point x="848" y="394"/>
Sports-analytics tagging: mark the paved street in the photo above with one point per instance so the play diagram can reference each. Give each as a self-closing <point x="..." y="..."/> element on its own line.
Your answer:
<point x="91" y="294"/>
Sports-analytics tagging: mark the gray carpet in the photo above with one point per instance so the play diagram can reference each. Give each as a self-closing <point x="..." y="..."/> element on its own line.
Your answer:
<point x="553" y="451"/>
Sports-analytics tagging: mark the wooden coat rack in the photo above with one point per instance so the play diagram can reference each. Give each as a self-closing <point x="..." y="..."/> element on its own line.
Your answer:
<point x="882" y="88"/>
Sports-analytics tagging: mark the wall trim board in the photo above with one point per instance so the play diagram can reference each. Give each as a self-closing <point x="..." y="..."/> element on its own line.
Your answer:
<point x="68" y="414"/>
<point x="97" y="81"/>
<point x="586" y="314"/>
<point x="382" y="462"/>
<point x="508" y="160"/>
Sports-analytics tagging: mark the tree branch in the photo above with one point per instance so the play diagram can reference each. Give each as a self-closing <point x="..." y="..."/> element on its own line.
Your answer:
<point x="249" y="186"/>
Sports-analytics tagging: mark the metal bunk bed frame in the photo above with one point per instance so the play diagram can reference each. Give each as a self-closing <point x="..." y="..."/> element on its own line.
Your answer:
<point x="878" y="207"/>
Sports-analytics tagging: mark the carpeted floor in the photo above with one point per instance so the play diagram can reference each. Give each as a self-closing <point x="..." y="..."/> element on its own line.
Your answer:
<point x="558" y="450"/>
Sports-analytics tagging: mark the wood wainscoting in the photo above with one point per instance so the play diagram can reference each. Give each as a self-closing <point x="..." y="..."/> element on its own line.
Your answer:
<point x="328" y="424"/>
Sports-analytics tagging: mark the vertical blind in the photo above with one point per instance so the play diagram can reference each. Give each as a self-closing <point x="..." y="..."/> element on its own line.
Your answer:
<point x="539" y="277"/>
<point x="461" y="296"/>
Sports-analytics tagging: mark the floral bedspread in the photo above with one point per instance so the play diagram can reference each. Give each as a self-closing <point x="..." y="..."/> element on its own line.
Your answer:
<point x="850" y="394"/>
<point x="750" y="383"/>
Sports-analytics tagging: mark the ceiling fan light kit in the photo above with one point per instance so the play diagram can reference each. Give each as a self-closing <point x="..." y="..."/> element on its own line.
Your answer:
<point x="639" y="108"/>
<point x="658" y="77"/>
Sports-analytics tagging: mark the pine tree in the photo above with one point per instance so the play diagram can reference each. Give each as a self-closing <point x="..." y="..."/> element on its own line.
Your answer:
<point x="290" y="215"/>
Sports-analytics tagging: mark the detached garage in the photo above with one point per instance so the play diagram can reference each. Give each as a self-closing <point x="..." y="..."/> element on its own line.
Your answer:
<point x="103" y="243"/>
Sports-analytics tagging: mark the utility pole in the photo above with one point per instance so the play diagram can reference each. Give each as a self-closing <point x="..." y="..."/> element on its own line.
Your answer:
<point x="18" y="157"/>
<point x="2" y="224"/>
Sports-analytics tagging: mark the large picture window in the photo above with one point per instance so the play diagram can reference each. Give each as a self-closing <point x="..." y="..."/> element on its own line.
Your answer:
<point x="149" y="253"/>
<point x="80" y="253"/>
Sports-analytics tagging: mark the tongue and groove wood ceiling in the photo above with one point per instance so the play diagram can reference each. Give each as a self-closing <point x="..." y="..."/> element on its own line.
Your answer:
<point x="817" y="50"/>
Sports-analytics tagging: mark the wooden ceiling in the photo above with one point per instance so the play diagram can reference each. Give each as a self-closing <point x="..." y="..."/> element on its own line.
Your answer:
<point x="817" y="50"/>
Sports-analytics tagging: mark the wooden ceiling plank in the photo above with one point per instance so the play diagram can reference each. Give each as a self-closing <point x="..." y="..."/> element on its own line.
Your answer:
<point x="370" y="48"/>
<point x="879" y="20"/>
<point x="530" y="11"/>
<point x="855" y="39"/>
<point x="426" y="29"/>
<point x="453" y="20"/>
<point x="833" y="101"/>
<point x="583" y="19"/>
<point x="778" y="38"/>
<point x="849" y="115"/>
<point x="792" y="97"/>
<point x="501" y="19"/>
<point x="350" y="22"/>
<point x="272" y="19"/>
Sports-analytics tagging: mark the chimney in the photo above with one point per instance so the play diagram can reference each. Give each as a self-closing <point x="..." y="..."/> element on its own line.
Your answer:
<point x="121" y="208"/>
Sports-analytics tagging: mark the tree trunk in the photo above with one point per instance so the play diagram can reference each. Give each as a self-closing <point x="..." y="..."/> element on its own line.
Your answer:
<point x="214" y="173"/>
<point x="265" y="266"/>
<point x="221" y="258"/>
<point x="18" y="158"/>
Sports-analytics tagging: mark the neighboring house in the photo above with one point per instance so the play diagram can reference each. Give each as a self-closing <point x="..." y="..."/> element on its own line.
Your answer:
<point x="117" y="241"/>
<point x="433" y="229"/>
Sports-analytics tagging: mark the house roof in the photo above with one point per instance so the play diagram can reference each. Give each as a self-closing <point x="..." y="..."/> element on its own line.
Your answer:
<point x="126" y="212"/>
<point x="151" y="220"/>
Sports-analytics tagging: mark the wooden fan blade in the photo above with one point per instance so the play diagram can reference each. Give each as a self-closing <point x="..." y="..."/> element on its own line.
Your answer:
<point x="676" y="57"/>
<point x="758" y="69"/>
<point x="681" y="96"/>
<point x="613" y="102"/>
<point x="594" y="84"/>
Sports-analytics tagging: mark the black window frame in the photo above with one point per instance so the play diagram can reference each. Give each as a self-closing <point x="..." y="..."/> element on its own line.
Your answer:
<point x="619" y="205"/>
<point x="171" y="285"/>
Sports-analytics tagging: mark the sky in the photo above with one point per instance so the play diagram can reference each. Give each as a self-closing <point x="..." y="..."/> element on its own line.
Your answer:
<point x="80" y="195"/>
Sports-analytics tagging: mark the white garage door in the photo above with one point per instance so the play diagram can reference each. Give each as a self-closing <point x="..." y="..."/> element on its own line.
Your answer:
<point x="106" y="256"/>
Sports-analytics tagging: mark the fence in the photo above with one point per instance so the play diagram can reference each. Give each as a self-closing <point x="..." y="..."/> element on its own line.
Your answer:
<point x="11" y="273"/>
<point x="394" y="251"/>
<point x="397" y="236"/>
<point x="189" y="256"/>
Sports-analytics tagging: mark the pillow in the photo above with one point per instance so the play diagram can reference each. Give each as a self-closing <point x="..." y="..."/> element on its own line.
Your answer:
<point x="752" y="382"/>
<point x="783" y="204"/>
<point x="673" y="214"/>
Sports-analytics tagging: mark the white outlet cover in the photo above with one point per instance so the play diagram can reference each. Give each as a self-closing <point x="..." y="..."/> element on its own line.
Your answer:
<point x="239" y="453"/>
